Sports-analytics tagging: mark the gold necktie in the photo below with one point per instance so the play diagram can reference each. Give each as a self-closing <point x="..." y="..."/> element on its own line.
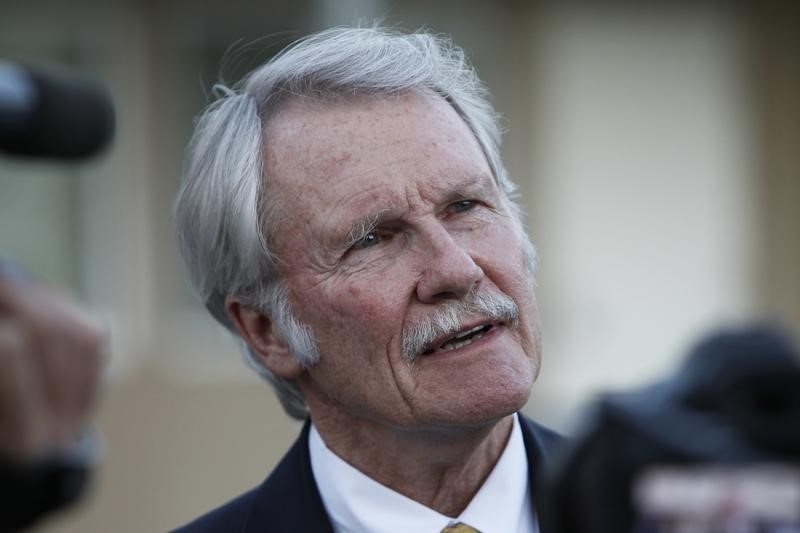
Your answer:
<point x="460" y="528"/>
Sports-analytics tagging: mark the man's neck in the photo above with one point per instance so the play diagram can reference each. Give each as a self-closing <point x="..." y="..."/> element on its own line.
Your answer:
<point x="439" y="468"/>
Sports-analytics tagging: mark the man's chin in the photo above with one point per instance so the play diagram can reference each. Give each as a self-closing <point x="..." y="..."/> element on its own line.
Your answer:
<point x="484" y="412"/>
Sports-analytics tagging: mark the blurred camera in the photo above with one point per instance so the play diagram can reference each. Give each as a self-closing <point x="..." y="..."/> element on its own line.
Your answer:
<point x="714" y="449"/>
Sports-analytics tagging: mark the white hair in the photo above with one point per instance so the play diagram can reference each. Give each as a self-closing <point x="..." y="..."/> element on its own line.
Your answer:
<point x="223" y="213"/>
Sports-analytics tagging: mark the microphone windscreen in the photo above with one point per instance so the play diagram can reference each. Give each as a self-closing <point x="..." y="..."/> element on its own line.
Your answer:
<point x="50" y="115"/>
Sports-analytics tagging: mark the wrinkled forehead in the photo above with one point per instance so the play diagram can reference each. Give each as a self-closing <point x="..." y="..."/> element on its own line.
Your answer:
<point x="340" y="114"/>
<point x="319" y="153"/>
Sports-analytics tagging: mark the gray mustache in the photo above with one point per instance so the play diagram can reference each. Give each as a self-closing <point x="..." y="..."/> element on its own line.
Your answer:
<point x="448" y="320"/>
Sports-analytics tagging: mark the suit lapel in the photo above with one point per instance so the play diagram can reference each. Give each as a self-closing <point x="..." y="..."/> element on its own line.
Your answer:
<point x="540" y="443"/>
<point x="289" y="501"/>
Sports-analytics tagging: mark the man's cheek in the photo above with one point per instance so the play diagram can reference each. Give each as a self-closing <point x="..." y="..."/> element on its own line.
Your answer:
<point x="501" y="264"/>
<point x="359" y="309"/>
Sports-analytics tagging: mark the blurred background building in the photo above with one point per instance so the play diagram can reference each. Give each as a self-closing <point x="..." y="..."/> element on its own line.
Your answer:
<point x="657" y="146"/>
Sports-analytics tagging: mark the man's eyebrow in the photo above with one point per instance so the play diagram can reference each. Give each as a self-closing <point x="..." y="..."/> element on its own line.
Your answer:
<point x="478" y="184"/>
<point x="359" y="228"/>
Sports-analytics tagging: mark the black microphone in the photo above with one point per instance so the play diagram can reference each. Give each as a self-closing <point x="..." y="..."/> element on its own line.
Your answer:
<point x="52" y="115"/>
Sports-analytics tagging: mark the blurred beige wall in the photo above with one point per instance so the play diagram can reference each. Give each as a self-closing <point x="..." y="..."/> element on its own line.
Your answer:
<point x="655" y="148"/>
<point x="776" y="85"/>
<point x="174" y="450"/>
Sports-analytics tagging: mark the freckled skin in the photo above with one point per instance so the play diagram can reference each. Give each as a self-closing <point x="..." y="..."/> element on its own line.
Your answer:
<point x="408" y="156"/>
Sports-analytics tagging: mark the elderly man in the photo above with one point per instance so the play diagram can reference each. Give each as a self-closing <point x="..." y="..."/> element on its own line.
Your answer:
<point x="345" y="212"/>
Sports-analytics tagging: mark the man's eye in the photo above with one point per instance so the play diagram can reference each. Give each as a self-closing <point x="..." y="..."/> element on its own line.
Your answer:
<point x="370" y="239"/>
<point x="463" y="205"/>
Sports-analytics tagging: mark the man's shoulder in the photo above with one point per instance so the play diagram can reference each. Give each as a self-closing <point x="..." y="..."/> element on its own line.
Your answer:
<point x="288" y="500"/>
<point x="231" y="516"/>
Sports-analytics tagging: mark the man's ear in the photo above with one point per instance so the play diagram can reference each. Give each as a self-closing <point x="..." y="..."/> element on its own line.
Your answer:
<point x="260" y="333"/>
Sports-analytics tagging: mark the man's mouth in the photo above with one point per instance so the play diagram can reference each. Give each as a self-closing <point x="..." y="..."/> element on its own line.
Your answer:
<point x="460" y="339"/>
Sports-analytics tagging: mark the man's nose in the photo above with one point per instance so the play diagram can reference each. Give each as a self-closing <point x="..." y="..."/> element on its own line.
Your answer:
<point x="449" y="272"/>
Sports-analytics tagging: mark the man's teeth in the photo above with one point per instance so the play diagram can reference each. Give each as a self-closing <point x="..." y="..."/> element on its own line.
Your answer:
<point x="456" y="343"/>
<point x="473" y="330"/>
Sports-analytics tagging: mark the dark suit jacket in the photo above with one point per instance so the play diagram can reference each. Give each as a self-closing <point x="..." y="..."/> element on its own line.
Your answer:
<point x="288" y="501"/>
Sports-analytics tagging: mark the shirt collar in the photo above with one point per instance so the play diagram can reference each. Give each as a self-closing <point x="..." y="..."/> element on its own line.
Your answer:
<point x="356" y="502"/>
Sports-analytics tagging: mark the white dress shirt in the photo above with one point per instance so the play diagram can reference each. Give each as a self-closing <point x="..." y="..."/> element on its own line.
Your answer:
<point x="356" y="503"/>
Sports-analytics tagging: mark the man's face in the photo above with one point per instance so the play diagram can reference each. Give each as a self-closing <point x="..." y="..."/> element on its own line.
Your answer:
<point x="387" y="213"/>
